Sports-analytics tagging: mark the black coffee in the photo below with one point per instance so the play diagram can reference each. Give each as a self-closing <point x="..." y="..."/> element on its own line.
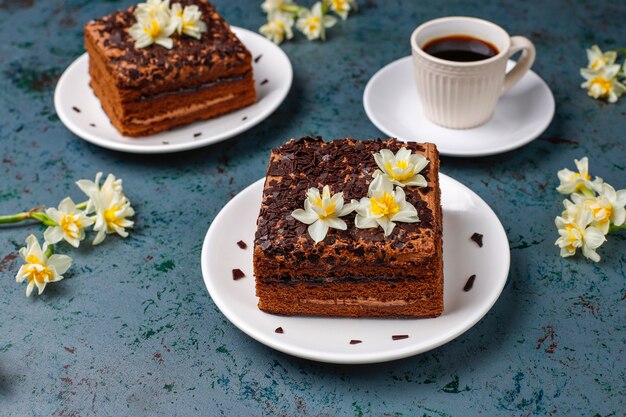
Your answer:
<point x="460" y="48"/>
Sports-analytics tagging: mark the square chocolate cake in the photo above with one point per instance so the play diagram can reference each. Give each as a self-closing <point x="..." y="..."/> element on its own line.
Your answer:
<point x="151" y="89"/>
<point x="356" y="272"/>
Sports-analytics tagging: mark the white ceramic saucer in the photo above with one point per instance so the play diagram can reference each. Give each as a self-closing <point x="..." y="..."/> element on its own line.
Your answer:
<point x="328" y="339"/>
<point x="522" y="114"/>
<point x="79" y="109"/>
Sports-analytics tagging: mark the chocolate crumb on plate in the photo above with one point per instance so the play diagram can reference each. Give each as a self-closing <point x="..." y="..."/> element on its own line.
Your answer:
<point x="279" y="330"/>
<point x="478" y="238"/>
<point x="244" y="118"/>
<point x="242" y="244"/>
<point x="165" y="142"/>
<point x="92" y="124"/>
<point x="258" y="58"/>
<point x="355" y="341"/>
<point x="399" y="336"/>
<point x="238" y="274"/>
<point x="470" y="283"/>
<point x="265" y="81"/>
<point x="76" y="109"/>
<point x="195" y="135"/>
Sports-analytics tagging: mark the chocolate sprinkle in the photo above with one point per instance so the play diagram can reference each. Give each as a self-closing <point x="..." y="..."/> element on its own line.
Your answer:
<point x="469" y="284"/>
<point x="195" y="135"/>
<point x="258" y="58"/>
<point x="355" y="341"/>
<point x="399" y="336"/>
<point x="265" y="81"/>
<point x="238" y="274"/>
<point x="478" y="238"/>
<point x="279" y="330"/>
<point x="76" y="109"/>
<point x="242" y="244"/>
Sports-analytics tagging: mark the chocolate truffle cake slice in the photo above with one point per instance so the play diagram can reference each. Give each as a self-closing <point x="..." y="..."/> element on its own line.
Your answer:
<point x="148" y="90"/>
<point x="353" y="272"/>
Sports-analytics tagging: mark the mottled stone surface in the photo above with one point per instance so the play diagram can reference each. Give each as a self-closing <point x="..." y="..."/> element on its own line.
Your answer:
<point x="132" y="330"/>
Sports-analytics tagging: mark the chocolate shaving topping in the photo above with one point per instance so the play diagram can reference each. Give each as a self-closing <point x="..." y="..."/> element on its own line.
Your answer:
<point x="76" y="109"/>
<point x="242" y="244"/>
<point x="195" y="135"/>
<point x="165" y="142"/>
<point x="265" y="81"/>
<point x="279" y="330"/>
<point x="92" y="124"/>
<point x="150" y="67"/>
<point x="244" y="118"/>
<point x="345" y="166"/>
<point x="470" y="283"/>
<point x="238" y="274"/>
<point x="258" y="58"/>
<point x="478" y="238"/>
<point x="399" y="336"/>
<point x="355" y="341"/>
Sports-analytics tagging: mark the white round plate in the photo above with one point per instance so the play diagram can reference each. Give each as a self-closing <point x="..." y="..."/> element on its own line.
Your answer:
<point x="327" y="339"/>
<point x="522" y="114"/>
<point x="80" y="111"/>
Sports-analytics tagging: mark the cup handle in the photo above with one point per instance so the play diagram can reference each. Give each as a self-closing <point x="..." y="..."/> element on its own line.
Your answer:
<point x="519" y="43"/>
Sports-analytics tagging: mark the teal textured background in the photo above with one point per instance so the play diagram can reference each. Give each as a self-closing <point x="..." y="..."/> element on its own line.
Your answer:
<point x="132" y="329"/>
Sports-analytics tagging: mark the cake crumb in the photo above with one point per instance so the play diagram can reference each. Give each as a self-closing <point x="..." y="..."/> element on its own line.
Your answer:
<point x="76" y="109"/>
<point x="355" y="341"/>
<point x="265" y="81"/>
<point x="238" y="274"/>
<point x="470" y="283"/>
<point x="242" y="244"/>
<point x="399" y="336"/>
<point x="279" y="330"/>
<point x="478" y="238"/>
<point x="258" y="58"/>
<point x="195" y="135"/>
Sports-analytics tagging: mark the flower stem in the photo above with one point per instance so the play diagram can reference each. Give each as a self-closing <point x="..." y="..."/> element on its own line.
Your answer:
<point x="82" y="206"/>
<point x="49" y="251"/>
<point x="36" y="213"/>
<point x="614" y="228"/>
<point x="15" y="218"/>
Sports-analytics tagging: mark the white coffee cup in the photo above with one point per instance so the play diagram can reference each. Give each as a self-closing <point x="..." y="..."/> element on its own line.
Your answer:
<point x="461" y="95"/>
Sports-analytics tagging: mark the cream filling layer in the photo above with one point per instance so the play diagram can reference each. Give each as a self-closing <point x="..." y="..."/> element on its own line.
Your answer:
<point x="182" y="111"/>
<point x="372" y="302"/>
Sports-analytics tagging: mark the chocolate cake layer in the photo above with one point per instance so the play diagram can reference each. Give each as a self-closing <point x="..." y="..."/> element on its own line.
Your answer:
<point x="148" y="90"/>
<point x="353" y="272"/>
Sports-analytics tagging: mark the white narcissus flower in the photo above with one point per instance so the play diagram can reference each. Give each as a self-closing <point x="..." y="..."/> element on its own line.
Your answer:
<point x="110" y="205"/>
<point x="576" y="232"/>
<point x="40" y="269"/>
<point x="342" y="7"/>
<point x="401" y="169"/>
<point x="188" y="20"/>
<point x="603" y="83"/>
<point x="152" y="8"/>
<point x="383" y="206"/>
<point x="70" y="221"/>
<point x="149" y="30"/>
<point x="322" y="212"/>
<point x="572" y="182"/>
<point x="278" y="27"/>
<point x="607" y="208"/>
<point x="313" y="23"/>
<point x="599" y="60"/>
<point x="271" y="6"/>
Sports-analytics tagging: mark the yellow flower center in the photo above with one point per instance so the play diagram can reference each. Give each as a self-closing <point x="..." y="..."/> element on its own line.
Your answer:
<point x="603" y="84"/>
<point x="597" y="62"/>
<point x="573" y="235"/>
<point x="384" y="205"/>
<point x="313" y="24"/>
<point x="329" y="209"/>
<point x="403" y="165"/>
<point x="580" y="185"/>
<point x="67" y="222"/>
<point x="153" y="29"/>
<point x="110" y="218"/>
<point x="36" y="270"/>
<point x="339" y="5"/>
